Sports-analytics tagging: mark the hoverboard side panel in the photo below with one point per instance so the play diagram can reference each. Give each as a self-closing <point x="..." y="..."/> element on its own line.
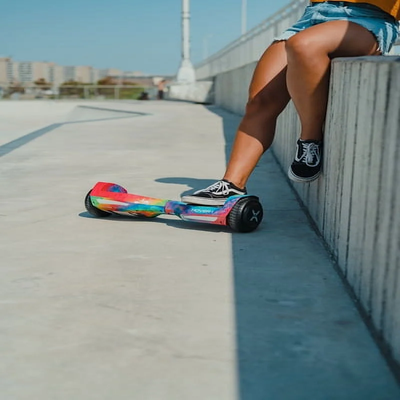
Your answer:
<point x="195" y="213"/>
<point x="109" y="197"/>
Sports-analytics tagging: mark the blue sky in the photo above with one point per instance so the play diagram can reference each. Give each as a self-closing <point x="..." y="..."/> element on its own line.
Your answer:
<point x="132" y="35"/>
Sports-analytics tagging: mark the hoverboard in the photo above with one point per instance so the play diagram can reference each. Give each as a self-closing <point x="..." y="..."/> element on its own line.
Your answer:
<point x="241" y="213"/>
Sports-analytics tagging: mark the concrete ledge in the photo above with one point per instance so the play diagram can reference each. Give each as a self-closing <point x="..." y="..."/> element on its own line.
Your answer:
<point x="199" y="92"/>
<point x="355" y="204"/>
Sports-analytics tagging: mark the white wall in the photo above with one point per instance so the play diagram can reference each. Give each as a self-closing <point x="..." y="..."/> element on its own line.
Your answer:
<point x="356" y="202"/>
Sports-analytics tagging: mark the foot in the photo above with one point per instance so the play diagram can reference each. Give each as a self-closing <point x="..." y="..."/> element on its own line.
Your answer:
<point x="306" y="166"/>
<point x="214" y="195"/>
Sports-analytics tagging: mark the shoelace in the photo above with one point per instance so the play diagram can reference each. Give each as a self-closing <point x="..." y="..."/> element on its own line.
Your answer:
<point x="310" y="153"/>
<point x="220" y="187"/>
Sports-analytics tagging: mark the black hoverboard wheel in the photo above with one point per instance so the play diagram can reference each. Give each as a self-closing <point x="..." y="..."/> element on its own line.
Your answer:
<point x="245" y="215"/>
<point x="92" y="210"/>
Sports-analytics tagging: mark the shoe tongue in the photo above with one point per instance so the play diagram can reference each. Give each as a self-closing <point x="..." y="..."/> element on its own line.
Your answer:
<point x="309" y="141"/>
<point x="233" y="185"/>
<point x="230" y="183"/>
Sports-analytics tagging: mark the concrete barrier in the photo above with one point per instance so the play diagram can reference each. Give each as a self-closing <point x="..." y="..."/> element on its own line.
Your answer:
<point x="356" y="203"/>
<point x="198" y="92"/>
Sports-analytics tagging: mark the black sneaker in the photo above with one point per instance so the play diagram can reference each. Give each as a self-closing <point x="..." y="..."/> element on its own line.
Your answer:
<point x="214" y="195"/>
<point x="306" y="166"/>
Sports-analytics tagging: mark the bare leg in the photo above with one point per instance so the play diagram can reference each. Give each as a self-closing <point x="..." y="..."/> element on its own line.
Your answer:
<point x="268" y="96"/>
<point x="309" y="56"/>
<point x="301" y="67"/>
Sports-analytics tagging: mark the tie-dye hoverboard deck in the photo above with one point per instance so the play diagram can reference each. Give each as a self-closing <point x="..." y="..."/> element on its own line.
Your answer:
<point x="240" y="213"/>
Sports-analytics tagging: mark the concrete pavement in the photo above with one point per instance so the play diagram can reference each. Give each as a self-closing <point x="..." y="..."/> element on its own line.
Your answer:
<point x="162" y="309"/>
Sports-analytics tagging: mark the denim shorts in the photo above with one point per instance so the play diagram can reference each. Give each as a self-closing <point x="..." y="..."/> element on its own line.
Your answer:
<point x="381" y="24"/>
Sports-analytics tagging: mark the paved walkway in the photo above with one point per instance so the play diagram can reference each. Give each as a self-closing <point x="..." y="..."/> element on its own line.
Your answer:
<point x="123" y="309"/>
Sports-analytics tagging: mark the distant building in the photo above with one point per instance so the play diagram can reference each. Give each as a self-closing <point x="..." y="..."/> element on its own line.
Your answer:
<point x="81" y="74"/>
<point x="27" y="72"/>
<point x="12" y="72"/>
<point x="4" y="68"/>
<point x="24" y="72"/>
<point x="30" y="71"/>
<point x="95" y="75"/>
<point x="57" y="76"/>
<point x="69" y="73"/>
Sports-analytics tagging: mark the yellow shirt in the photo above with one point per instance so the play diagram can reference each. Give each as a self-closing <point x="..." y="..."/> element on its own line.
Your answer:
<point x="392" y="7"/>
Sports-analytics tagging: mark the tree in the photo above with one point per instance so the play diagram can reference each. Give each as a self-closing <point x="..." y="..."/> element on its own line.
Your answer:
<point x="43" y="84"/>
<point x="107" y="81"/>
<point x="16" y="87"/>
<point x="71" y="82"/>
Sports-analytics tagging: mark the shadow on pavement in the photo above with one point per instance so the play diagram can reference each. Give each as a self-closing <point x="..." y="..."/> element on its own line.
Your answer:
<point x="21" y="141"/>
<point x="191" y="182"/>
<point x="298" y="334"/>
<point x="251" y="283"/>
<point x="174" y="223"/>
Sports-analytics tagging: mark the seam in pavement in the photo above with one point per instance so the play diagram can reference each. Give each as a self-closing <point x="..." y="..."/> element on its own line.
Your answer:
<point x="114" y="110"/>
<point x="23" y="140"/>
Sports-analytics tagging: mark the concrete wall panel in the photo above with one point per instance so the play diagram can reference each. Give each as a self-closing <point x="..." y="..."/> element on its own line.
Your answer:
<point x="356" y="202"/>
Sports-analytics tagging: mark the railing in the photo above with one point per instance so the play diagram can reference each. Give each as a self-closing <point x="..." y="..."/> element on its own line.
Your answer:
<point x="249" y="47"/>
<point x="94" y="92"/>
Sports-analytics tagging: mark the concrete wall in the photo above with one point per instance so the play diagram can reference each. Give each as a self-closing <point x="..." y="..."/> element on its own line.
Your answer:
<point x="356" y="202"/>
<point x="199" y="92"/>
<point x="232" y="87"/>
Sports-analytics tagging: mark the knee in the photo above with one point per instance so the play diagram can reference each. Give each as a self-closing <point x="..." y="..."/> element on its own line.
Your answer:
<point x="300" y="47"/>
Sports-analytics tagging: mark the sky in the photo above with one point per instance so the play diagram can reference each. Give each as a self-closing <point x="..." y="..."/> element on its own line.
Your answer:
<point x="132" y="35"/>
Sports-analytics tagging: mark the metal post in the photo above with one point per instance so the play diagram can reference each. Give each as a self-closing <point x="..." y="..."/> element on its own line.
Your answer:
<point x="186" y="72"/>
<point x="185" y="30"/>
<point x="244" y="16"/>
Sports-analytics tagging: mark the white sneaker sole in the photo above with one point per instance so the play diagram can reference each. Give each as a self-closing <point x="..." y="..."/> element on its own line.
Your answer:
<point x="299" y="179"/>
<point x="203" y="201"/>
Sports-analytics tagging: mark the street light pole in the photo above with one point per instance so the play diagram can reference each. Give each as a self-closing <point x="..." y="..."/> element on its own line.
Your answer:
<point x="186" y="73"/>
<point x="244" y="16"/>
